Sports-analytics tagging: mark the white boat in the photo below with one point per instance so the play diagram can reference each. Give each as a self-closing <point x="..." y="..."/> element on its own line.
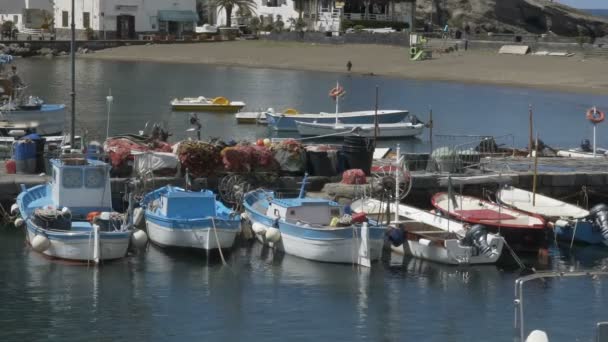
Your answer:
<point x="287" y="122"/>
<point x="251" y="118"/>
<point x="189" y="219"/>
<point x="569" y="222"/>
<point x="312" y="228"/>
<point x="385" y="130"/>
<point x="217" y="104"/>
<point x="434" y="237"/>
<point x="71" y="216"/>
<point x="578" y="153"/>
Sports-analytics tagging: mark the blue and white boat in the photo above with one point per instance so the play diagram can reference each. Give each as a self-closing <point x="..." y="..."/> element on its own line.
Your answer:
<point x="287" y="122"/>
<point x="569" y="221"/>
<point x="71" y="217"/>
<point x="310" y="228"/>
<point x="192" y="219"/>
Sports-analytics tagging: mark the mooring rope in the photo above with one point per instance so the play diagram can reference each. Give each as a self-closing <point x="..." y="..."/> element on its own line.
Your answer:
<point x="217" y="240"/>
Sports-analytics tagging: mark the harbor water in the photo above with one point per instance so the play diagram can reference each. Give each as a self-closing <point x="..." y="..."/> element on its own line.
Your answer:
<point x="161" y="295"/>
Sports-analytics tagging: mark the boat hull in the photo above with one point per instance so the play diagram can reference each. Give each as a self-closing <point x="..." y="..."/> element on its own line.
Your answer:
<point x="50" y="118"/>
<point x="78" y="246"/>
<point x="343" y="250"/>
<point x="207" y="108"/>
<point x="195" y="235"/>
<point x="282" y="122"/>
<point x="384" y="131"/>
<point x="584" y="232"/>
<point x="452" y="253"/>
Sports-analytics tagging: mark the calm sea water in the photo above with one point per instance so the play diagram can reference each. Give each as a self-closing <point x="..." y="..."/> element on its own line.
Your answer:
<point x="259" y="296"/>
<point x="142" y="92"/>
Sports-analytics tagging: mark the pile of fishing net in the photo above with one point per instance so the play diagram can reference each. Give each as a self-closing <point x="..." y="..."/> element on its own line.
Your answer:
<point x="354" y="176"/>
<point x="290" y="155"/>
<point x="200" y="158"/>
<point x="119" y="150"/>
<point x="248" y="158"/>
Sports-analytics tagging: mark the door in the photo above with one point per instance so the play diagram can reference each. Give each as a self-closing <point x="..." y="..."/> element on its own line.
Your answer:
<point x="125" y="27"/>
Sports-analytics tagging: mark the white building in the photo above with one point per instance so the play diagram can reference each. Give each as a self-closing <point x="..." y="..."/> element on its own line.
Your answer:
<point x="125" y="19"/>
<point x="24" y="13"/>
<point x="327" y="15"/>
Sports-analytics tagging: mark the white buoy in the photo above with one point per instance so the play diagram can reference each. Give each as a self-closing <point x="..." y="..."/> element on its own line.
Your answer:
<point x="66" y="213"/>
<point x="40" y="243"/>
<point x="19" y="222"/>
<point x="537" y="336"/>
<point x="139" y="238"/>
<point x="273" y="235"/>
<point x="138" y="216"/>
<point x="14" y="209"/>
<point x="258" y="228"/>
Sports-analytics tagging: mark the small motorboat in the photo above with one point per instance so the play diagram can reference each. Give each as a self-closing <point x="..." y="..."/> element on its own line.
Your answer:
<point x="202" y="104"/>
<point x="570" y="222"/>
<point x="192" y="219"/>
<point x="312" y="228"/>
<point x="523" y="232"/>
<point x="287" y="121"/>
<point x="71" y="217"/>
<point x="385" y="130"/>
<point x="251" y="118"/>
<point x="429" y="236"/>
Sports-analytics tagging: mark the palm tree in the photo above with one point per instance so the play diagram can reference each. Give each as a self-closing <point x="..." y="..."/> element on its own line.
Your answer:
<point x="228" y="6"/>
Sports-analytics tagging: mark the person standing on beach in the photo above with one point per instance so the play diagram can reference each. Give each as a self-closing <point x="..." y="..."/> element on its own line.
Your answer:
<point x="349" y="65"/>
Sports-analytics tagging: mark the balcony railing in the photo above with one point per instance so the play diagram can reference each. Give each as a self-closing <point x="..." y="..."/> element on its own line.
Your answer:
<point x="370" y="16"/>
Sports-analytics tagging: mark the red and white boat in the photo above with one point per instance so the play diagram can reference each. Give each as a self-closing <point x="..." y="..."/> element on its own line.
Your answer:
<point x="523" y="232"/>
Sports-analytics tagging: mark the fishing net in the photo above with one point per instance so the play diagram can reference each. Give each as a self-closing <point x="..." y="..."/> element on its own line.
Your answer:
<point x="200" y="158"/>
<point x="290" y="155"/>
<point x="247" y="158"/>
<point x="354" y="176"/>
<point x="119" y="149"/>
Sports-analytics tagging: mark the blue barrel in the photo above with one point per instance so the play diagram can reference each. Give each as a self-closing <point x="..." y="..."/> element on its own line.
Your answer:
<point x="94" y="150"/>
<point x="24" y="149"/>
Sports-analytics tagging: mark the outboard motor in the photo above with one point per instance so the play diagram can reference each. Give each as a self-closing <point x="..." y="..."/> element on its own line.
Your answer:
<point x="599" y="215"/>
<point x="476" y="237"/>
<point x="586" y="145"/>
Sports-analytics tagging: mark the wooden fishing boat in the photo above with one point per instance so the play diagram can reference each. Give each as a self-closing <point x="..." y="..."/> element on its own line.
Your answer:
<point x="192" y="219"/>
<point x="433" y="237"/>
<point x="287" y="121"/>
<point x="71" y="217"/>
<point x="523" y="232"/>
<point x="385" y="130"/>
<point x="569" y="222"/>
<point x="202" y="104"/>
<point x="251" y="118"/>
<point x="312" y="228"/>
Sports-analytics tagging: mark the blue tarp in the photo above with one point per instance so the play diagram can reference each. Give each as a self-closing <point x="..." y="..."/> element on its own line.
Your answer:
<point x="182" y="16"/>
<point x="32" y="136"/>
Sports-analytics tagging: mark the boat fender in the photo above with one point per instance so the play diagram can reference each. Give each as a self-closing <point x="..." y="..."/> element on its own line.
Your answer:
<point x="258" y="228"/>
<point x="562" y="223"/>
<point x="40" y="243"/>
<point x="19" y="222"/>
<point x="245" y="216"/>
<point x="476" y="236"/>
<point x="14" y="209"/>
<point x="537" y="336"/>
<point x="139" y="239"/>
<point x="138" y="216"/>
<point x="273" y="235"/>
<point x="599" y="213"/>
<point x="396" y="236"/>
<point x="66" y="213"/>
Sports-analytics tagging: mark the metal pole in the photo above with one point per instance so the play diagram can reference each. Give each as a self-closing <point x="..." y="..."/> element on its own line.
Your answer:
<point x="376" y="118"/>
<point x="431" y="129"/>
<point x="337" y="101"/>
<point x="397" y="179"/>
<point x="534" y="179"/>
<point x="531" y="140"/>
<point x="594" y="127"/>
<point x="109" y="100"/>
<point x="73" y="67"/>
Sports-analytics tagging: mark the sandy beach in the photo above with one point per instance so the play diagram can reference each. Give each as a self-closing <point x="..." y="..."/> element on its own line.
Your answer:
<point x="572" y="74"/>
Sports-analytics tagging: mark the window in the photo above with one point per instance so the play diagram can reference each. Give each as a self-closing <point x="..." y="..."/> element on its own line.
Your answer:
<point x="94" y="177"/>
<point x="72" y="178"/>
<point x="86" y="19"/>
<point x="15" y="19"/>
<point x="64" y="19"/>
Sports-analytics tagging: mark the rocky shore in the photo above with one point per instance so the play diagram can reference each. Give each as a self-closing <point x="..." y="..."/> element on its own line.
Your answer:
<point x="32" y="50"/>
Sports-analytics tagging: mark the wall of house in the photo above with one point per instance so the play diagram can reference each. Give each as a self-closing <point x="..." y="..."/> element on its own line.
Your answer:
<point x="11" y="17"/>
<point x="105" y="12"/>
<point x="284" y="8"/>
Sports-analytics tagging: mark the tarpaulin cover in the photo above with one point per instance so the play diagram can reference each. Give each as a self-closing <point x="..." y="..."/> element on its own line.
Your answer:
<point x="166" y="162"/>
